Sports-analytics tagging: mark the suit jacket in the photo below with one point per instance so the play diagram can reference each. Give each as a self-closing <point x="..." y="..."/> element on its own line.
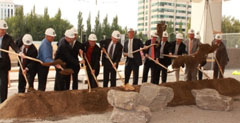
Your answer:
<point x="181" y="48"/>
<point x="31" y="52"/>
<point x="166" y="50"/>
<point x="221" y="54"/>
<point x="77" y="46"/>
<point x="95" y="58"/>
<point x="195" y="45"/>
<point x="6" y="42"/>
<point x="137" y="44"/>
<point x="147" y="43"/>
<point x="65" y="53"/>
<point x="117" y="55"/>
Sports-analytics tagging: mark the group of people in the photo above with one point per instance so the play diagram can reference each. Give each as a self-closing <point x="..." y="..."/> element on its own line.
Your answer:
<point x="70" y="49"/>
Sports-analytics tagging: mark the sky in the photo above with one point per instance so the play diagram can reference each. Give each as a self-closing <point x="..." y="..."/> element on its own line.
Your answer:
<point x="126" y="10"/>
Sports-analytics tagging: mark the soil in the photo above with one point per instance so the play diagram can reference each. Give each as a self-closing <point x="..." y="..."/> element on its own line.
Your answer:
<point x="42" y="105"/>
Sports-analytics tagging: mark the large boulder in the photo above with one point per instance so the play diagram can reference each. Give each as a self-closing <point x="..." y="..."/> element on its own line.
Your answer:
<point x="140" y="114"/>
<point x="210" y="99"/>
<point x="155" y="97"/>
<point x="123" y="100"/>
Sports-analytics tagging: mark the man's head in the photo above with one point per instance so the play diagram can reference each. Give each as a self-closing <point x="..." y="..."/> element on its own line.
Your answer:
<point x="92" y="40"/>
<point x="218" y="38"/>
<point x="130" y="33"/>
<point x="75" y="32"/>
<point x="69" y="36"/>
<point x="164" y="36"/>
<point x="154" y="36"/>
<point x="3" y="27"/>
<point x="50" y="34"/>
<point x="27" y="40"/>
<point x="191" y="34"/>
<point x="179" y="38"/>
<point x="116" y="36"/>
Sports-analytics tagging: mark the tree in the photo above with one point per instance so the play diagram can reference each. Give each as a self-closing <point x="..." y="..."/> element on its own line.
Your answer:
<point x="115" y="25"/>
<point x="230" y="25"/>
<point x="98" y="28"/>
<point x="106" y="29"/>
<point x="89" y="27"/>
<point x="170" y="30"/>
<point x="80" y="25"/>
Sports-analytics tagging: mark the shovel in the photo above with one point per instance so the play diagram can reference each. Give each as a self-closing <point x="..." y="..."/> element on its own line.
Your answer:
<point x="125" y="86"/>
<point x="58" y="61"/>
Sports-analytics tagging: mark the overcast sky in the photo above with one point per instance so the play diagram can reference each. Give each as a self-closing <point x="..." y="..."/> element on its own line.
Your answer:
<point x="125" y="9"/>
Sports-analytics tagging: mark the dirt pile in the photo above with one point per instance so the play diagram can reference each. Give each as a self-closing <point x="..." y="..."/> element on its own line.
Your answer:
<point x="68" y="103"/>
<point x="193" y="60"/>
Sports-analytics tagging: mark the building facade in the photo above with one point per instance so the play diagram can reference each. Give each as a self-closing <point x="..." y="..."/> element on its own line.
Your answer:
<point x="152" y="12"/>
<point x="7" y="9"/>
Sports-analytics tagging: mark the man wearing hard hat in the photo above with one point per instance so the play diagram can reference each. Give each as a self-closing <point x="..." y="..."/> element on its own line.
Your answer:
<point x="149" y="64"/>
<point x="45" y="52"/>
<point x="133" y="60"/>
<point x="76" y="46"/>
<point x="114" y="49"/>
<point x="93" y="53"/>
<point x="26" y="46"/>
<point x="178" y="48"/>
<point x="6" y="41"/>
<point x="221" y="57"/>
<point x="65" y="53"/>
<point x="192" y="45"/>
<point x="164" y="48"/>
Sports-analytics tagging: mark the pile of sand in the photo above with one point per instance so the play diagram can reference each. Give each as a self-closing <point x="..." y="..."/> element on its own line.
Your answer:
<point x="68" y="103"/>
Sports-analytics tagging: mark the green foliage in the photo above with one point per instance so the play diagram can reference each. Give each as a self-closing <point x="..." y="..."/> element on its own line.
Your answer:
<point x="98" y="28"/>
<point x="35" y="24"/>
<point x="89" y="27"/>
<point x="230" y="25"/>
<point x="106" y="28"/>
<point x="170" y="30"/>
<point x="80" y="25"/>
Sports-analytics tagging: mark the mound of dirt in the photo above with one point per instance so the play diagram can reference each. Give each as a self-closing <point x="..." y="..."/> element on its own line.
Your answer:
<point x="69" y="103"/>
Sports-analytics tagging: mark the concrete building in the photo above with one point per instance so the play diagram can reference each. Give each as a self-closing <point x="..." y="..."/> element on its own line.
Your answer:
<point x="151" y="12"/>
<point x="7" y="8"/>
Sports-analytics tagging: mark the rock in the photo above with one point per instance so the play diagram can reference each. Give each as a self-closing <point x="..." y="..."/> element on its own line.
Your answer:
<point x="210" y="99"/>
<point x="155" y="97"/>
<point x="123" y="100"/>
<point x="140" y="114"/>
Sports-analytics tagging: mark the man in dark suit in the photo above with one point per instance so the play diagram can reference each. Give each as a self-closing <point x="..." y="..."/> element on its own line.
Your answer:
<point x="65" y="53"/>
<point x="114" y="49"/>
<point x="93" y="54"/>
<point x="178" y="48"/>
<point x="6" y="41"/>
<point x="221" y="56"/>
<point x="76" y="45"/>
<point x="164" y="48"/>
<point x="133" y="60"/>
<point x="29" y="67"/>
<point x="149" y="64"/>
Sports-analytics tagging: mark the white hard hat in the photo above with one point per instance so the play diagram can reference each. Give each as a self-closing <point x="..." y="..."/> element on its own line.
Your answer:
<point x="165" y="34"/>
<point x="27" y="39"/>
<point x="116" y="34"/>
<point x="69" y="33"/>
<point x="92" y="37"/>
<point x="179" y="36"/>
<point x="218" y="37"/>
<point x="197" y="36"/>
<point x="50" y="32"/>
<point x="130" y="30"/>
<point x="190" y="31"/>
<point x="74" y="30"/>
<point x="154" y="34"/>
<point x="3" y="24"/>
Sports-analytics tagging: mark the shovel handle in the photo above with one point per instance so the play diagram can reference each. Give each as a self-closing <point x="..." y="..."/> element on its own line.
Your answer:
<point x="27" y="57"/>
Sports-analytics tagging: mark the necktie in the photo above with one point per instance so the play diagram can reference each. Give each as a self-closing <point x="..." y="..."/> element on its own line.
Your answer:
<point x="152" y="52"/>
<point x="24" y="60"/>
<point x="190" y="47"/>
<point x="111" y="51"/>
